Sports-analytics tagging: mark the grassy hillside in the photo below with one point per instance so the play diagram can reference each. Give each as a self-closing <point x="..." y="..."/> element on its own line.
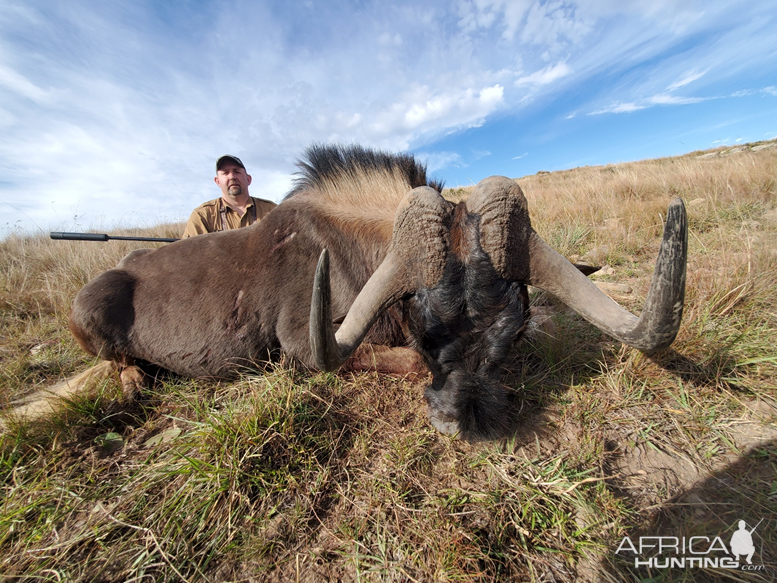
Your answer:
<point x="289" y="476"/>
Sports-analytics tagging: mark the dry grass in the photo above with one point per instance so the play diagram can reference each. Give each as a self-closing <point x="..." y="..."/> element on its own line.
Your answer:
<point x="38" y="280"/>
<point x="287" y="476"/>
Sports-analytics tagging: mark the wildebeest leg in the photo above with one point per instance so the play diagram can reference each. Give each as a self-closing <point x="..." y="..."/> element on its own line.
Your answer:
<point x="385" y="359"/>
<point x="133" y="379"/>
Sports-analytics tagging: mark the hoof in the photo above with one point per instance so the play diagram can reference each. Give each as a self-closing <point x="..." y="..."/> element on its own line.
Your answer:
<point x="133" y="382"/>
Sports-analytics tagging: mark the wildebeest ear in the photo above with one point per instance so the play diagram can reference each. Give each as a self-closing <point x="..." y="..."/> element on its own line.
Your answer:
<point x="504" y="225"/>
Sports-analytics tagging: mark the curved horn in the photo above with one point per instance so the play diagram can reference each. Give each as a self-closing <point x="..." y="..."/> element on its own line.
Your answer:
<point x="416" y="258"/>
<point x="657" y="326"/>
<point x="519" y="254"/>
<point x="331" y="349"/>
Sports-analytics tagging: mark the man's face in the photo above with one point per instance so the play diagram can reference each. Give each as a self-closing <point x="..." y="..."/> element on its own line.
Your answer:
<point x="232" y="179"/>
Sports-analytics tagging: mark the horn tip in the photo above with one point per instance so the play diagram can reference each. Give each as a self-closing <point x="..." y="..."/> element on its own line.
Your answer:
<point x="677" y="204"/>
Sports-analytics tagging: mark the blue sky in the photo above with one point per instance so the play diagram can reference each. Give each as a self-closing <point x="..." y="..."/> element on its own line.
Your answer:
<point x="113" y="113"/>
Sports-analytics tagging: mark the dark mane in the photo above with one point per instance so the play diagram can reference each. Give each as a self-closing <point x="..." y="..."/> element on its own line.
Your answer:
<point x="323" y="163"/>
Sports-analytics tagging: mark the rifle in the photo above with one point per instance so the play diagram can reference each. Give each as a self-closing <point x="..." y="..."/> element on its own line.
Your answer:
<point x="756" y="526"/>
<point x="104" y="237"/>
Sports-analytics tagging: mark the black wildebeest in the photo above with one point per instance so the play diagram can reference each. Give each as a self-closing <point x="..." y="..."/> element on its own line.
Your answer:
<point x="389" y="262"/>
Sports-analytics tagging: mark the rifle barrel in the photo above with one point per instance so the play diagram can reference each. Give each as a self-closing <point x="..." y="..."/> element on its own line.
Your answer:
<point x="103" y="237"/>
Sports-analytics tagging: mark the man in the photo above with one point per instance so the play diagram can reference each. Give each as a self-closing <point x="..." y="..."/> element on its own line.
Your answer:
<point x="235" y="208"/>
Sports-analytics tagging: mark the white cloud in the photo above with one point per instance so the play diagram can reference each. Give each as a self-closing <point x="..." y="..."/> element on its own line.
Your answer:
<point x="665" y="99"/>
<point x="555" y="26"/>
<point x="545" y="76"/>
<point x="507" y="15"/>
<point x="13" y="81"/>
<point x="390" y="39"/>
<point x="654" y="100"/>
<point x="687" y="79"/>
<point x="439" y="160"/>
<point x="674" y="16"/>
<point x="446" y="105"/>
<point x="619" y="108"/>
<point x="421" y="110"/>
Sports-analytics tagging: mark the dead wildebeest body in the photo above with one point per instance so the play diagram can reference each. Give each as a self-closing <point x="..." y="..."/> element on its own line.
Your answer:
<point x="216" y="305"/>
<point x="390" y="263"/>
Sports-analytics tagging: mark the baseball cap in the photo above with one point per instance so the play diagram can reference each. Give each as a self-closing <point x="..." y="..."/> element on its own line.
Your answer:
<point x="229" y="158"/>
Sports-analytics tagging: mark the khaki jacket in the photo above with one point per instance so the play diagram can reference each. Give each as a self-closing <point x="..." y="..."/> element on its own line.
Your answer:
<point x="214" y="215"/>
